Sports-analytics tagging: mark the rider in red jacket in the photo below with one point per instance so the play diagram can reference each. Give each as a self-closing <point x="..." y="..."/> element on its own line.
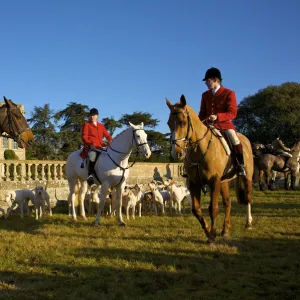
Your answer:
<point x="92" y="134"/>
<point x="218" y="106"/>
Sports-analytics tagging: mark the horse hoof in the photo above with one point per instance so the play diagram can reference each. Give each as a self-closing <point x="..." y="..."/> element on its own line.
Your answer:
<point x="225" y="235"/>
<point x="248" y="226"/>
<point x="84" y="218"/>
<point x="211" y="243"/>
<point x="122" y="224"/>
<point x="97" y="224"/>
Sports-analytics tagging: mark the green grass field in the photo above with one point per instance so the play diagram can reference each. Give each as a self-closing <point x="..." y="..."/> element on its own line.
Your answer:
<point x="155" y="257"/>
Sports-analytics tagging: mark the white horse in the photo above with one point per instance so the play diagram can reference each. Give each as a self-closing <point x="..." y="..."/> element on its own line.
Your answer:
<point x="111" y="168"/>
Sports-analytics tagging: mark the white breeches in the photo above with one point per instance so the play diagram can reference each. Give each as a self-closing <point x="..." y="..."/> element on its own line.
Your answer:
<point x="232" y="136"/>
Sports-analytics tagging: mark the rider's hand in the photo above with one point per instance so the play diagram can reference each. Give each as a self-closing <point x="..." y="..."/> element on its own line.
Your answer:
<point x="212" y="118"/>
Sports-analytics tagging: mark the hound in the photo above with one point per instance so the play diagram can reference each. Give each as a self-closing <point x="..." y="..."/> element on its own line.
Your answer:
<point x="19" y="197"/>
<point x="40" y="199"/>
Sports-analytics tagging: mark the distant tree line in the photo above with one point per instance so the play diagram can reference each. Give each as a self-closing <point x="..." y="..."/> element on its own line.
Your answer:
<point x="271" y="111"/>
<point x="57" y="134"/>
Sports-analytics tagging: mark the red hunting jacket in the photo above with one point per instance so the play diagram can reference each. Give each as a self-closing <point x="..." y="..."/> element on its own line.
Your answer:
<point x="223" y="104"/>
<point x="92" y="136"/>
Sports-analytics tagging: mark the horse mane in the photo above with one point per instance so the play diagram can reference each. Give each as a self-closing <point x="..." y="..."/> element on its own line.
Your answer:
<point x="119" y="134"/>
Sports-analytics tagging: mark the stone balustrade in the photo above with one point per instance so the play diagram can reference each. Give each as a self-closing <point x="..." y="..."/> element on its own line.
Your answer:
<point x="31" y="170"/>
<point x="19" y="174"/>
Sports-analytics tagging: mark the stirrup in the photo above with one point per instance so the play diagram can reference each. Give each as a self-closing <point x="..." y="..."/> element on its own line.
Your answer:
<point x="241" y="170"/>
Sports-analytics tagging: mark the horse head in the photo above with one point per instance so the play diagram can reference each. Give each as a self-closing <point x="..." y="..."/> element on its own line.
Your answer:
<point x="14" y="124"/>
<point x="296" y="147"/>
<point x="140" y="139"/>
<point x="180" y="125"/>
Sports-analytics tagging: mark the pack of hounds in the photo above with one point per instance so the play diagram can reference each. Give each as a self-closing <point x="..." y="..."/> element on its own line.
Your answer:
<point x="148" y="198"/>
<point x="38" y="196"/>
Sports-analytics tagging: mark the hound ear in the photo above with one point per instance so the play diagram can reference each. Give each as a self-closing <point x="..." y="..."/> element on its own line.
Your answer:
<point x="169" y="104"/>
<point x="183" y="100"/>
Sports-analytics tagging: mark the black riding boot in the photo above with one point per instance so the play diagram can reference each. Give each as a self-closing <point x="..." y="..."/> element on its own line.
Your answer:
<point x="90" y="179"/>
<point x="240" y="159"/>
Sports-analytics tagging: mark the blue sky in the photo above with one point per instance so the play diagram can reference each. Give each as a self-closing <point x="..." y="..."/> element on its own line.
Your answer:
<point x="126" y="56"/>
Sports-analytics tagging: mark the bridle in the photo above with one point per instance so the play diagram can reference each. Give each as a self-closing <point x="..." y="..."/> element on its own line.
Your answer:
<point x="187" y="137"/>
<point x="134" y="139"/>
<point x="12" y="123"/>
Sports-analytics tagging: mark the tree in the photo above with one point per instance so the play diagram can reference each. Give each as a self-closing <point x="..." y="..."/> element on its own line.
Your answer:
<point x="10" y="154"/>
<point x="111" y="124"/>
<point x="73" y="117"/>
<point x="45" y="136"/>
<point x="137" y="117"/>
<point x="273" y="110"/>
<point x="158" y="142"/>
<point x="160" y="146"/>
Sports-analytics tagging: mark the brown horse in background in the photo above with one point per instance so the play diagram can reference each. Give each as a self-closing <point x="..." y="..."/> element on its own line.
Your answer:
<point x="14" y="124"/>
<point x="205" y="162"/>
<point x="268" y="162"/>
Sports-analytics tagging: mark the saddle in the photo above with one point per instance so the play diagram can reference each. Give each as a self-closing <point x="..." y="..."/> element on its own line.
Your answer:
<point x="217" y="133"/>
<point x="86" y="160"/>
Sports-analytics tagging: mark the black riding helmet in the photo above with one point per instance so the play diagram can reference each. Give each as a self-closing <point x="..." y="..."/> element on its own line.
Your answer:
<point x="94" y="111"/>
<point x="213" y="73"/>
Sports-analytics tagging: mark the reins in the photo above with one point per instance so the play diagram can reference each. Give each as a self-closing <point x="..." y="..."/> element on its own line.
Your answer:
<point x="127" y="154"/>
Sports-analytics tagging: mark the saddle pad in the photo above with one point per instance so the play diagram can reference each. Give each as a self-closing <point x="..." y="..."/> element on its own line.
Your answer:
<point x="219" y="135"/>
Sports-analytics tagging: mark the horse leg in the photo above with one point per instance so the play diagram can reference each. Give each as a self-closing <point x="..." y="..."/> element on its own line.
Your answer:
<point x="293" y="181"/>
<point x="213" y="207"/>
<point x="82" y="193"/>
<point x="248" y="217"/>
<point x="103" y="195"/>
<point x="119" y="192"/>
<point x="286" y="180"/>
<point x="261" y="183"/>
<point x="195" y="192"/>
<point x="227" y="207"/>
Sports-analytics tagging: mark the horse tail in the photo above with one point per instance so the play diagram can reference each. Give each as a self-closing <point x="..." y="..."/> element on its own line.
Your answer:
<point x="243" y="190"/>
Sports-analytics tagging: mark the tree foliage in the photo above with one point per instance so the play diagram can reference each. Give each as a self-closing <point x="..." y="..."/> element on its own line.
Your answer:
<point x="71" y="121"/>
<point x="45" y="136"/>
<point x="111" y="124"/>
<point x="137" y="117"/>
<point x="273" y="110"/>
<point x="10" y="154"/>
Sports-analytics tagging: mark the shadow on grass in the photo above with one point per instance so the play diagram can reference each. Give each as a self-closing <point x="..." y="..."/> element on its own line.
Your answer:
<point x="260" y="267"/>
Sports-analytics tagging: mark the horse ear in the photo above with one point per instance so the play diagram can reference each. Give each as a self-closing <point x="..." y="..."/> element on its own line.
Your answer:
<point x="131" y="125"/>
<point x="6" y="101"/>
<point x="169" y="103"/>
<point x="142" y="125"/>
<point x="183" y="100"/>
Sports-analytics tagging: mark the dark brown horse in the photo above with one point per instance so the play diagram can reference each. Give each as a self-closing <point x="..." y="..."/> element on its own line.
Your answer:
<point x="205" y="162"/>
<point x="267" y="163"/>
<point x="14" y="124"/>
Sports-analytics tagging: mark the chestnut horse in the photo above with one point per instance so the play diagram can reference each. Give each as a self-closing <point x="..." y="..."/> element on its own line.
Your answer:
<point x="205" y="162"/>
<point x="14" y="124"/>
<point x="268" y="162"/>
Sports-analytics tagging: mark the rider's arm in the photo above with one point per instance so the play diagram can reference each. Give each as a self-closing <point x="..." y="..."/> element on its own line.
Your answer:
<point x="231" y="109"/>
<point x="85" y="134"/>
<point x="283" y="147"/>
